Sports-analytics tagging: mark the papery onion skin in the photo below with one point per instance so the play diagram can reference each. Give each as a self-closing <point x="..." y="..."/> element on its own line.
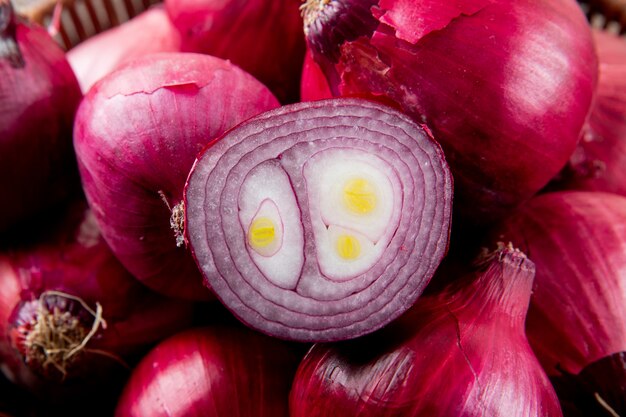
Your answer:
<point x="504" y="86"/>
<point x="137" y="134"/>
<point x="264" y="37"/>
<point x="578" y="241"/>
<point x="149" y="32"/>
<point x="72" y="258"/>
<point x="39" y="95"/>
<point x="210" y="372"/>
<point x="319" y="303"/>
<point x="599" y="162"/>
<point x="313" y="84"/>
<point x="461" y="352"/>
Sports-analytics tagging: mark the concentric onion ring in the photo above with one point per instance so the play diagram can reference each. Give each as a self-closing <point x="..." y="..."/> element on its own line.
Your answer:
<point x="320" y="221"/>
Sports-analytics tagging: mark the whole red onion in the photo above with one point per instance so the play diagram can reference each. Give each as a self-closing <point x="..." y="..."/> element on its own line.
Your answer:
<point x="505" y="86"/>
<point x="321" y="220"/>
<point x="599" y="162"/>
<point x="39" y="95"/>
<point x="576" y="324"/>
<point x="149" y="32"/>
<point x="264" y="37"/>
<point x="212" y="372"/>
<point x="137" y="134"/>
<point x="71" y="315"/>
<point x="459" y="353"/>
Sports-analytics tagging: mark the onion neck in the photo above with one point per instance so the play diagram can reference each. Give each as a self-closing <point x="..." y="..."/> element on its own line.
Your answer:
<point x="9" y="49"/>
<point x="330" y="23"/>
<point x="501" y="287"/>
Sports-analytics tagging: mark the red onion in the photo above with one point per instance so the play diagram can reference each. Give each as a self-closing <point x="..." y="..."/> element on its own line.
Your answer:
<point x="70" y="313"/>
<point x="38" y="98"/>
<point x="264" y="37"/>
<point x="321" y="220"/>
<point x="599" y="162"/>
<point x="462" y="352"/>
<point x="577" y="314"/>
<point x="505" y="86"/>
<point x="313" y="84"/>
<point x="137" y="134"/>
<point x="211" y="372"/>
<point x="149" y="32"/>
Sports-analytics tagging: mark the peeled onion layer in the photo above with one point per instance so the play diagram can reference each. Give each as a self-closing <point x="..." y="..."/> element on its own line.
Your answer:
<point x="320" y="221"/>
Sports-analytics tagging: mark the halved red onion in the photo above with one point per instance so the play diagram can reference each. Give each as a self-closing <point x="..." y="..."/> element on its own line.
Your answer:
<point x="321" y="220"/>
<point x="39" y="95"/>
<point x="149" y="32"/>
<point x="505" y="86"/>
<point x="577" y="315"/>
<point x="137" y="134"/>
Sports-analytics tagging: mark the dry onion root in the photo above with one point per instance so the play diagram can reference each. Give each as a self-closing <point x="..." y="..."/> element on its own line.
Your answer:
<point x="322" y="220"/>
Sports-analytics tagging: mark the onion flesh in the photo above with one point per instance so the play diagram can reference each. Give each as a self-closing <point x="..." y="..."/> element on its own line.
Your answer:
<point x="360" y="201"/>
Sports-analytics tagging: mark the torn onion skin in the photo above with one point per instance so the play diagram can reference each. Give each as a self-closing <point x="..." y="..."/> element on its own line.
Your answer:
<point x="211" y="372"/>
<point x="263" y="37"/>
<point x="149" y="32"/>
<point x="322" y="220"/>
<point x="137" y="134"/>
<point x="461" y="352"/>
<point x="39" y="95"/>
<point x="599" y="162"/>
<point x="504" y="86"/>
<point x="576" y="318"/>
<point x="71" y="317"/>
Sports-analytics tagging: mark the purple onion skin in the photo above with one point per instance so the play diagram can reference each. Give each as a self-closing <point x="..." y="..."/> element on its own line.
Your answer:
<point x="504" y="86"/>
<point x="71" y="257"/>
<point x="264" y="37"/>
<point x="578" y="241"/>
<point x="459" y="353"/>
<point x="599" y="162"/>
<point x="315" y="306"/>
<point x="137" y="134"/>
<point x="39" y="95"/>
<point x="211" y="372"/>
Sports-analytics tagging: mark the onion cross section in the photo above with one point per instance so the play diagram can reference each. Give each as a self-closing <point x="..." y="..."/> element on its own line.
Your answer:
<point x="320" y="221"/>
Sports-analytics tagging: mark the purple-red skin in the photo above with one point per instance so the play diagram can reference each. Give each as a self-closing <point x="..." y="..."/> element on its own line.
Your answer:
<point x="599" y="162"/>
<point x="137" y="134"/>
<point x="149" y="32"/>
<point x="313" y="84"/>
<point x="210" y="372"/>
<point x="39" y="95"/>
<point x="317" y="308"/>
<point x="504" y="86"/>
<point x="264" y="37"/>
<point x="577" y="239"/>
<point x="72" y="258"/>
<point x="462" y="353"/>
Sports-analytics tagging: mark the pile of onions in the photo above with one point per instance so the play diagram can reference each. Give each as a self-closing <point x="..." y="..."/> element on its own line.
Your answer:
<point x="462" y="352"/>
<point x="39" y="95"/>
<point x="505" y="86"/>
<point x="599" y="162"/>
<point x="137" y="134"/>
<point x="264" y="37"/>
<point x="576" y="323"/>
<point x="321" y="220"/>
<point x="149" y="32"/>
<point x="71" y="316"/>
<point x="212" y="371"/>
